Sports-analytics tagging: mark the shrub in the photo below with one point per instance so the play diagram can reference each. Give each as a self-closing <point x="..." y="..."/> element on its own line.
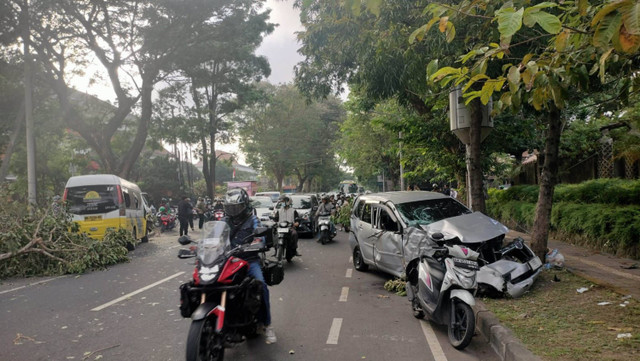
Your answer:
<point x="47" y="244"/>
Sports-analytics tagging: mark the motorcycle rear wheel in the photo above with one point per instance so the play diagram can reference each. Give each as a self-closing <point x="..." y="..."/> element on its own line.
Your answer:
<point x="461" y="325"/>
<point x="202" y="343"/>
<point x="324" y="235"/>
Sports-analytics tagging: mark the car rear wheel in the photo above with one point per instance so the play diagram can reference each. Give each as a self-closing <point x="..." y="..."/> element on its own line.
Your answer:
<point x="358" y="261"/>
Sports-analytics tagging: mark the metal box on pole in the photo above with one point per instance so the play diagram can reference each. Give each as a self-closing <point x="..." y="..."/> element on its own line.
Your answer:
<point x="460" y="117"/>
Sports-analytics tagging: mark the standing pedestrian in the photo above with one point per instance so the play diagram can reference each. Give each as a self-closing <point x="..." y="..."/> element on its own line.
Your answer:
<point x="201" y="207"/>
<point x="185" y="213"/>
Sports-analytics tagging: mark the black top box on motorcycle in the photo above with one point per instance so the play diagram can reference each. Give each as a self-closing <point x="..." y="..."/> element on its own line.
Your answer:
<point x="273" y="272"/>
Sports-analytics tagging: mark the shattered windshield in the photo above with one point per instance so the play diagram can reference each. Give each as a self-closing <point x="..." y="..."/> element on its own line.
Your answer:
<point x="428" y="211"/>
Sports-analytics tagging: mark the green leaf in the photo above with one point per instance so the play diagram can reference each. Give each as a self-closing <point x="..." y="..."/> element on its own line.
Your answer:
<point x="608" y="9"/>
<point x="432" y="67"/>
<point x="514" y="75"/>
<point x="550" y="23"/>
<point x="441" y="73"/>
<point x="607" y="28"/>
<point x="431" y="22"/>
<point x="509" y="21"/>
<point x="418" y="34"/>
<point x="451" y="32"/>
<point x="603" y="60"/>
<point x="631" y="18"/>
<point x="473" y="80"/>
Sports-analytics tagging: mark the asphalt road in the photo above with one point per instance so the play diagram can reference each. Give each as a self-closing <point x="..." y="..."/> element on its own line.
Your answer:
<point x="323" y="310"/>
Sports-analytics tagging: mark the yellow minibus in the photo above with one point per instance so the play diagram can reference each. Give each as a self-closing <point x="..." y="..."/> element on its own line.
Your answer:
<point x="100" y="202"/>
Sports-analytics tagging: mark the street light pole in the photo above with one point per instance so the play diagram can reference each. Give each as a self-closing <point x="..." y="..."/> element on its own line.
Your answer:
<point x="401" y="166"/>
<point x="28" y="113"/>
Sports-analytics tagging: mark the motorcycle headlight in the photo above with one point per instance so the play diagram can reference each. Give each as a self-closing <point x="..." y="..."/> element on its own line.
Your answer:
<point x="208" y="273"/>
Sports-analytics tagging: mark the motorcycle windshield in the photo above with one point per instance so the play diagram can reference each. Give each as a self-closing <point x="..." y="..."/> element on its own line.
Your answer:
<point x="215" y="240"/>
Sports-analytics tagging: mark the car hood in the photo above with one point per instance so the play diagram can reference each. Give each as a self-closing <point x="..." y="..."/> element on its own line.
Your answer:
<point x="468" y="228"/>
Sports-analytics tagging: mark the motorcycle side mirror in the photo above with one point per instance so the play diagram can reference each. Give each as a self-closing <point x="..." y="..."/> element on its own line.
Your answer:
<point x="185" y="253"/>
<point x="438" y="238"/>
<point x="271" y="208"/>
<point x="184" y="240"/>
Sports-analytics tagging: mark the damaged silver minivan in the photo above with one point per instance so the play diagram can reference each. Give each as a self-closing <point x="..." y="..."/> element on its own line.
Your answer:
<point x="389" y="230"/>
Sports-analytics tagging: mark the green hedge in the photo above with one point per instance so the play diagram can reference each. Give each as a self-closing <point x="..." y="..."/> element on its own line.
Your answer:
<point x="602" y="214"/>
<point x="606" y="190"/>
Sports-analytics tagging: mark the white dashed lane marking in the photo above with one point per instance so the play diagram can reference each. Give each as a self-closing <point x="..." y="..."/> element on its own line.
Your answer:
<point x="334" y="332"/>
<point x="100" y="308"/>
<point x="344" y="294"/>
<point x="349" y="273"/>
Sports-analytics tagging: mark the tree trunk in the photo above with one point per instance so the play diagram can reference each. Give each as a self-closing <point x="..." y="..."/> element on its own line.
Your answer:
<point x="548" y="179"/>
<point x="476" y="188"/>
<point x="17" y="128"/>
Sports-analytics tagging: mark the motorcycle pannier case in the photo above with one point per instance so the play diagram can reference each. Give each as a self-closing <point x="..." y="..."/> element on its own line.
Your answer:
<point x="189" y="300"/>
<point x="273" y="272"/>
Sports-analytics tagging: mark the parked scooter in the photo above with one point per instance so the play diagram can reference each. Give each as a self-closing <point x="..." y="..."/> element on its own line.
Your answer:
<point x="222" y="300"/>
<point x="324" y="229"/>
<point x="166" y="221"/>
<point x="441" y="283"/>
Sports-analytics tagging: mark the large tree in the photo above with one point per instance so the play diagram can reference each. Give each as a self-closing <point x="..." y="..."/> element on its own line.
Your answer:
<point x="563" y="53"/>
<point x="285" y="135"/>
<point x="134" y="43"/>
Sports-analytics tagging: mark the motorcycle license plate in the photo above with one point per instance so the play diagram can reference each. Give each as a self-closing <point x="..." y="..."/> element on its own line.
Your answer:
<point x="535" y="263"/>
<point x="283" y="230"/>
<point x="465" y="263"/>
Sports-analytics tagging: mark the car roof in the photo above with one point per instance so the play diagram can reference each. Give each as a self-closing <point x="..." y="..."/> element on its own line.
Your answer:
<point x="402" y="197"/>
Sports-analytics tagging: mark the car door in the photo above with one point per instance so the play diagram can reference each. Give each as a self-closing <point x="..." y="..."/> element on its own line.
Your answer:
<point x="387" y="241"/>
<point x="365" y="233"/>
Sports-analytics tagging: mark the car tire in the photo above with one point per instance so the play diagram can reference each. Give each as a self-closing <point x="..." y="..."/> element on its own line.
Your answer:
<point x="358" y="261"/>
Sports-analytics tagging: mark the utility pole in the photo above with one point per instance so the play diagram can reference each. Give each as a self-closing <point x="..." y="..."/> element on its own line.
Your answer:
<point x="401" y="166"/>
<point x="28" y="113"/>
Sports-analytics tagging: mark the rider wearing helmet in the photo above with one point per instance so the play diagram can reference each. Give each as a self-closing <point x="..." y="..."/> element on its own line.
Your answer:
<point x="242" y="222"/>
<point x="289" y="214"/>
<point x="326" y="208"/>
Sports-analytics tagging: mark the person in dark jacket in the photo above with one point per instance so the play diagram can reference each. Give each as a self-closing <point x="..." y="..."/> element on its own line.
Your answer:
<point x="185" y="212"/>
<point x="242" y="222"/>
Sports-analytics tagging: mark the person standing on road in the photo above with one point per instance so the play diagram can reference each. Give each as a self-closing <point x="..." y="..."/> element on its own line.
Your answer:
<point x="242" y="221"/>
<point x="185" y="212"/>
<point x="201" y="207"/>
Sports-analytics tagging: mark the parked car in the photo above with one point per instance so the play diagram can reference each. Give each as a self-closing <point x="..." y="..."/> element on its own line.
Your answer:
<point x="306" y="205"/>
<point x="263" y="206"/>
<point x="275" y="196"/>
<point x="389" y="230"/>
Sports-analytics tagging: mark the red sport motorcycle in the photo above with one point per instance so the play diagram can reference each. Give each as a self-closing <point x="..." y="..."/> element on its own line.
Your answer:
<point x="222" y="300"/>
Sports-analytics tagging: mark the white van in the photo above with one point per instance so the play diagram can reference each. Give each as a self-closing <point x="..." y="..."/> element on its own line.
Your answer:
<point x="275" y="196"/>
<point x="101" y="202"/>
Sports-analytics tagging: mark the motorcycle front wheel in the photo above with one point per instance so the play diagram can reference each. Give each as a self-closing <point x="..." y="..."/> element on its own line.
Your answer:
<point x="202" y="343"/>
<point x="462" y="325"/>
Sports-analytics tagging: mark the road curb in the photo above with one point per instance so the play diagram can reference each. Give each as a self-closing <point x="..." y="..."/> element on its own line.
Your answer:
<point x="505" y="344"/>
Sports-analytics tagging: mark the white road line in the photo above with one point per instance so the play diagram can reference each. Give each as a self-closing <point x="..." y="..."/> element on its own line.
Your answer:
<point x="99" y="308"/>
<point x="432" y="340"/>
<point x="334" y="332"/>
<point x="351" y="259"/>
<point x="344" y="295"/>
<point x="349" y="272"/>
<point x="31" y="284"/>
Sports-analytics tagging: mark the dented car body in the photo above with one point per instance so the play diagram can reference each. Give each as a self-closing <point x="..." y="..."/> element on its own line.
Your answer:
<point x="390" y="230"/>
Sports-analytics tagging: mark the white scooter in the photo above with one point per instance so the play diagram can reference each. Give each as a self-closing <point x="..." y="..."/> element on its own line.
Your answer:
<point x="441" y="283"/>
<point x="324" y="229"/>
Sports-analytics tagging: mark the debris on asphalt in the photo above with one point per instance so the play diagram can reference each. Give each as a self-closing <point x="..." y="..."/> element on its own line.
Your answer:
<point x="626" y="297"/>
<point x="582" y="290"/>
<point x="604" y="303"/>
<point x="633" y="266"/>
<point x="624" y="335"/>
<point x="291" y="352"/>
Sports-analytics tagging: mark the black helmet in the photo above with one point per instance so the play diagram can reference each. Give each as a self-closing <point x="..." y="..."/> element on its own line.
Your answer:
<point x="236" y="202"/>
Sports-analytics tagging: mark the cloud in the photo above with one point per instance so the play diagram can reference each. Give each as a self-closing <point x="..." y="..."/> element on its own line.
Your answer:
<point x="281" y="46"/>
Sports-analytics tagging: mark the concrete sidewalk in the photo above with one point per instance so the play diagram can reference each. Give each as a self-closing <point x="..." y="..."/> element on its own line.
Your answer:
<point x="619" y="274"/>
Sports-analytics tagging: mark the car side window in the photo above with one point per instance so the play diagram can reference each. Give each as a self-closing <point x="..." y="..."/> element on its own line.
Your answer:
<point x="387" y="223"/>
<point x="127" y="198"/>
<point x="366" y="213"/>
<point x="357" y="209"/>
